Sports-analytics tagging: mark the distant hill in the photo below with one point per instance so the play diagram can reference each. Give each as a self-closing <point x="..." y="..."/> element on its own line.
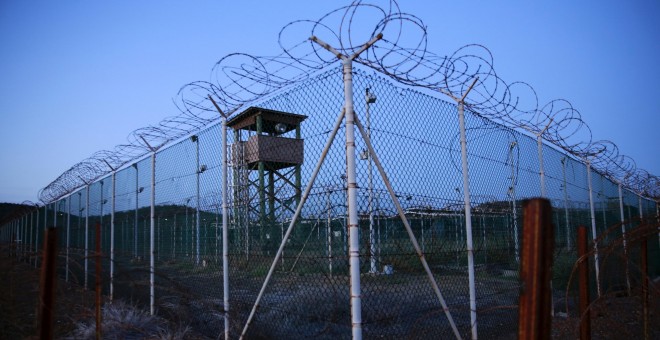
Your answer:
<point x="8" y="211"/>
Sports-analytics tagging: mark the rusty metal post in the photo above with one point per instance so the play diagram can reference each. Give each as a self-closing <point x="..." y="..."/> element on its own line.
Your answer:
<point x="583" y="282"/>
<point x="47" y="300"/>
<point x="645" y="285"/>
<point x="534" y="320"/>
<point x="98" y="281"/>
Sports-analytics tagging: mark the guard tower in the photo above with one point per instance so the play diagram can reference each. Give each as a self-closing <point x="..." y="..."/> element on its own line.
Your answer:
<point x="266" y="157"/>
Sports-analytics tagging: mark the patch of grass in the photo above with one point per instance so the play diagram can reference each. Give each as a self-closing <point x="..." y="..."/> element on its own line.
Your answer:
<point x="122" y="320"/>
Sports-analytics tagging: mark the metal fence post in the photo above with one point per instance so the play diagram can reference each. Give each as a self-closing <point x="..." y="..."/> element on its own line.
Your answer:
<point x="353" y="228"/>
<point x="225" y="219"/>
<point x="539" y="142"/>
<point x="68" y="239"/>
<point x="645" y="285"/>
<point x="370" y="98"/>
<point x="536" y="271"/>
<point x="86" y="234"/>
<point x="112" y="227"/>
<point x="467" y="206"/>
<point x="55" y="214"/>
<point x="112" y="236"/>
<point x="97" y="281"/>
<point x="135" y="222"/>
<point x="593" y="227"/>
<point x="565" y="186"/>
<point x="43" y="229"/>
<point x="36" y="239"/>
<point x="623" y="235"/>
<point x="21" y="238"/>
<point x="225" y="229"/>
<point x="657" y="215"/>
<point x="583" y="283"/>
<point x="30" y="233"/>
<point x="152" y="299"/>
<point x="198" y="171"/>
<point x="48" y="277"/>
<point x="354" y="245"/>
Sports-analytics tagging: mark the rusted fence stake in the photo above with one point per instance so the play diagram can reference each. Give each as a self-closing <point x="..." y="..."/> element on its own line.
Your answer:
<point x="583" y="282"/>
<point x="98" y="282"/>
<point x="534" y="320"/>
<point x="645" y="286"/>
<point x="47" y="300"/>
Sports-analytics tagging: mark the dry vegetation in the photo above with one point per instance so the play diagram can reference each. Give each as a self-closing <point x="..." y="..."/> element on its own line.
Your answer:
<point x="613" y="317"/>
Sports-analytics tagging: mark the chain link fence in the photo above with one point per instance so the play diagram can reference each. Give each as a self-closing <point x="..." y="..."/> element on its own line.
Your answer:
<point x="161" y="221"/>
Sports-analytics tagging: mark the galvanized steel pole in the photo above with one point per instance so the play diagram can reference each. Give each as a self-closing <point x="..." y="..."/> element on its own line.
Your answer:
<point x="370" y="98"/>
<point x="225" y="228"/>
<point x="623" y="235"/>
<point x="112" y="236"/>
<point x="36" y="238"/>
<point x="468" y="208"/>
<point x="152" y="226"/>
<point x="225" y="221"/>
<point x="513" y="205"/>
<point x="353" y="229"/>
<point x="55" y="214"/>
<point x="86" y="234"/>
<point x="30" y="232"/>
<point x="593" y="227"/>
<point x="568" y="235"/>
<point x="195" y="139"/>
<point x="645" y="285"/>
<point x="152" y="282"/>
<point x="68" y="239"/>
<point x="539" y="143"/>
<point x="657" y="214"/>
<point x="20" y="239"/>
<point x="135" y="227"/>
<point x="468" y="221"/>
<point x="102" y="204"/>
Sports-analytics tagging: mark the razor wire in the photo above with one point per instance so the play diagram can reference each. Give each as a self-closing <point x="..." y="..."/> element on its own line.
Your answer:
<point x="239" y="78"/>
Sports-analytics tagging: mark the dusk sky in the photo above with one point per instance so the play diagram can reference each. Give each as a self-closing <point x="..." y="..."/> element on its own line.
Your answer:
<point x="77" y="77"/>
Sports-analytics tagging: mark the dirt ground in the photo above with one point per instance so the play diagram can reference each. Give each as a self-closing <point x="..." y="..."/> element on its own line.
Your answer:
<point x="613" y="317"/>
<point x="74" y="316"/>
<point x="19" y="294"/>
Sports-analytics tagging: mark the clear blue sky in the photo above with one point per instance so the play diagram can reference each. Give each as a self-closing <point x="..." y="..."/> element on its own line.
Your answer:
<point x="77" y="77"/>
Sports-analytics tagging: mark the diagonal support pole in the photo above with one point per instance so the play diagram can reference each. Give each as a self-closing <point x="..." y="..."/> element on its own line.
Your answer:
<point x="413" y="239"/>
<point x="294" y="219"/>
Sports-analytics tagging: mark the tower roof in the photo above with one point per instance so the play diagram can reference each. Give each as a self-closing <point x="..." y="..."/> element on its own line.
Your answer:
<point x="247" y="120"/>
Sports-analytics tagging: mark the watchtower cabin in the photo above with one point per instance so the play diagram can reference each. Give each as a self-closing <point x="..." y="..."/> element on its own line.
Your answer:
<point x="266" y="157"/>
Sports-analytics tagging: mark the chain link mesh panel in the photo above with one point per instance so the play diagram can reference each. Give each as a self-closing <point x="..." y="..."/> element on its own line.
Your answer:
<point x="415" y="137"/>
